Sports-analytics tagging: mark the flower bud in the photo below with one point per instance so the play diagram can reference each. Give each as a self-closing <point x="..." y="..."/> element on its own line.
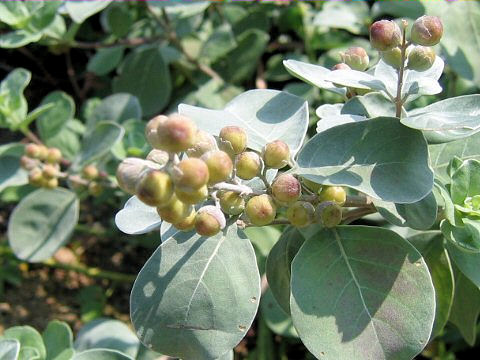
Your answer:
<point x="341" y="66"/>
<point x="187" y="223"/>
<point x="209" y="221"/>
<point x="276" y="154"/>
<point x="155" y="188"/>
<point x="175" y="134"/>
<point x="329" y="214"/>
<point x="27" y="163"/>
<point x="192" y="197"/>
<point x="231" y="202"/>
<point x="421" y="58"/>
<point x="190" y="174"/>
<point x="49" y="171"/>
<point x="356" y="57"/>
<point x="427" y="30"/>
<point x="236" y="137"/>
<point x="130" y="171"/>
<point x="248" y="165"/>
<point x="286" y="189"/>
<point x="261" y="210"/>
<point x="32" y="150"/>
<point x="90" y="172"/>
<point x="392" y="57"/>
<point x="301" y="214"/>
<point x="219" y="165"/>
<point x="54" y="156"/>
<point x="151" y="130"/>
<point x="333" y="193"/>
<point x="385" y="35"/>
<point x="204" y="142"/>
<point x="158" y="156"/>
<point x="175" y="211"/>
<point x="95" y="189"/>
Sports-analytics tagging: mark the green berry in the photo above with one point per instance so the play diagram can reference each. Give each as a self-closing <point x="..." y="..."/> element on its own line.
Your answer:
<point x="421" y="58"/>
<point x="427" y="30"/>
<point x="219" y="165"/>
<point x="50" y="183"/>
<point x="35" y="177"/>
<point x="54" y="156"/>
<point x="329" y="214"/>
<point x="155" y="188"/>
<point x="27" y="163"/>
<point x="32" y="150"/>
<point x="151" y="131"/>
<point x="357" y="58"/>
<point x="192" y="197"/>
<point x="261" y="210"/>
<point x="248" y="165"/>
<point x="301" y="214"/>
<point x="49" y="171"/>
<point x="385" y="35"/>
<point x="204" y="142"/>
<point x="333" y="193"/>
<point x="90" y="172"/>
<point x="276" y="154"/>
<point x="187" y="223"/>
<point x="158" y="156"/>
<point x="209" y="221"/>
<point x="130" y="171"/>
<point x="392" y="57"/>
<point x="175" y="134"/>
<point x="190" y="174"/>
<point x="43" y="152"/>
<point x="175" y="211"/>
<point x="235" y="137"/>
<point x="286" y="189"/>
<point x="95" y="189"/>
<point x="231" y="202"/>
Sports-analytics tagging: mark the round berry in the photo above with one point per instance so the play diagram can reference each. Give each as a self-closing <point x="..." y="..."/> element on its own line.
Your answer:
<point x="329" y="214"/>
<point x="276" y="154"/>
<point x="35" y="177"/>
<point x="175" y="134"/>
<point x="286" y="189"/>
<point x="248" y="165"/>
<point x="235" y="137"/>
<point x="129" y="173"/>
<point x="158" y="156"/>
<point x="190" y="174"/>
<point x="392" y="57"/>
<point x="204" y="142"/>
<point x="155" y="188"/>
<point x="175" y="211"/>
<point x="209" y="221"/>
<point x="333" y="193"/>
<point x="54" y="156"/>
<point x="357" y="58"/>
<point x="90" y="172"/>
<point x="27" y="163"/>
<point x="219" y="165"/>
<point x="192" y="197"/>
<point x="385" y="35"/>
<point x="421" y="58"/>
<point x="261" y="210"/>
<point x="49" y="171"/>
<point x="231" y="202"/>
<point x="301" y="214"/>
<point x="151" y="130"/>
<point x="95" y="189"/>
<point x="32" y="150"/>
<point x="427" y="30"/>
<point x="187" y="223"/>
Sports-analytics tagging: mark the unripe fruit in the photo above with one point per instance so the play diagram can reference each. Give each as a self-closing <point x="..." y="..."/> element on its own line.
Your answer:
<point x="50" y="183"/>
<point x="151" y="130"/>
<point x="49" y="171"/>
<point x="95" y="189"/>
<point x="175" y="134"/>
<point x="421" y="58"/>
<point x="175" y="211"/>
<point x="32" y="150"/>
<point x="130" y="171"/>
<point x="209" y="221"/>
<point x="35" y="177"/>
<point x="427" y="30"/>
<point x="341" y="66"/>
<point x="356" y="57"/>
<point x="392" y="57"/>
<point x="235" y="136"/>
<point x="329" y="214"/>
<point x="385" y="35"/>
<point x="192" y="197"/>
<point x="158" y="156"/>
<point x="333" y="193"/>
<point x="219" y="165"/>
<point x="27" y="163"/>
<point x="204" y="142"/>
<point x="276" y="154"/>
<point x="231" y="202"/>
<point x="301" y="214"/>
<point x="90" y="172"/>
<point x="188" y="223"/>
<point x="286" y="189"/>
<point x="43" y="152"/>
<point x="190" y="174"/>
<point x="261" y="210"/>
<point x="248" y="165"/>
<point x="54" y="156"/>
<point x="155" y="188"/>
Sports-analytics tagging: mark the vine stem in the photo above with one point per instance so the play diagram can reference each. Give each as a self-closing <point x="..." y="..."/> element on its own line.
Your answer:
<point x="403" y="48"/>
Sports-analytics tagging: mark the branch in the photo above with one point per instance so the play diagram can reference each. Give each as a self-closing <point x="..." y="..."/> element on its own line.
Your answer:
<point x="124" y="42"/>
<point x="355" y="214"/>
<point x="403" y="47"/>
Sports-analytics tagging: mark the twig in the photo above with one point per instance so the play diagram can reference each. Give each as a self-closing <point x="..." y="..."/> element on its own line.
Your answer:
<point x="356" y="214"/>
<point x="358" y="201"/>
<point x="72" y="76"/>
<point x="121" y="42"/>
<point x="399" y="100"/>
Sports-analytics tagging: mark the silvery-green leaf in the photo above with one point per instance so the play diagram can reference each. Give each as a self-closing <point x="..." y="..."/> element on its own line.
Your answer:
<point x="442" y="196"/>
<point x="370" y="105"/>
<point x="13" y="108"/>
<point x="447" y="120"/>
<point x="31" y="343"/>
<point x="465" y="181"/>
<point x="101" y="354"/>
<point x="117" y="108"/>
<point x="379" y="157"/>
<point x="137" y="218"/>
<point x="340" y="15"/>
<point x="313" y="74"/>
<point x="266" y="115"/>
<point x="275" y="318"/>
<point x="332" y="121"/>
<point x="196" y="297"/>
<point x="167" y="231"/>
<point x="355" y="79"/>
<point x="53" y="120"/>
<point x="328" y="110"/>
<point x="18" y="38"/>
<point x="58" y="340"/>
<point x="418" y="83"/>
<point x="11" y="173"/>
<point x="9" y="349"/>
<point x="79" y="11"/>
<point x="361" y="293"/>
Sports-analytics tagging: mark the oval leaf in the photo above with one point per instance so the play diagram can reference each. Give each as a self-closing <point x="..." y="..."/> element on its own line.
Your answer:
<point x="101" y="354"/>
<point x="31" y="342"/>
<point x="9" y="349"/>
<point x="137" y="218"/>
<point x="361" y="293"/>
<point x="182" y="300"/>
<point x="42" y="223"/>
<point x="116" y="108"/>
<point x="58" y="340"/>
<point x="379" y="157"/>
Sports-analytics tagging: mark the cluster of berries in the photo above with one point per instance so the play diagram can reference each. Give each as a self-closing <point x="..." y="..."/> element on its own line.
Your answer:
<point x="42" y="164"/>
<point x="188" y="167"/>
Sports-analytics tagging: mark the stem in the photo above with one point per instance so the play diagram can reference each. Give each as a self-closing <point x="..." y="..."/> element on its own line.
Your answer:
<point x="356" y="214"/>
<point x="399" y="101"/>
<point x="358" y="201"/>
<point x="263" y="177"/>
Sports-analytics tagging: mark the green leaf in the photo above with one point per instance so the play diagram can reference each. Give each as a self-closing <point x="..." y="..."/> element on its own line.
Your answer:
<point x="379" y="157"/>
<point x="420" y="215"/>
<point x="355" y="79"/>
<point x="219" y="43"/>
<point x="118" y="19"/>
<point x="182" y="300"/>
<point x="13" y="107"/>
<point x="58" y="340"/>
<point x="441" y="154"/>
<point x="430" y="245"/>
<point x="465" y="308"/>
<point x="336" y="120"/>
<point x="98" y="143"/>
<point x="144" y="73"/>
<point x="11" y="174"/>
<point x="367" y="289"/>
<point x="101" y="354"/>
<point x="34" y="114"/>
<point x="133" y="143"/>
<point x="30" y="342"/>
<point x="107" y="334"/>
<point x="18" y="38"/>
<point x="370" y="105"/>
<point x="266" y="115"/>
<point x="465" y="182"/>
<point x="274" y="316"/>
<point x="13" y="13"/>
<point x="79" y="11"/>
<point x="279" y="263"/>
<point x="263" y="239"/>
<point x="137" y="218"/>
<point x="398" y="9"/>
<point x="443" y="200"/>
<point x="67" y="139"/>
<point x="447" y="120"/>
<point x="9" y="349"/>
<point x="42" y="223"/>
<point x="350" y="16"/>
<point x="105" y="60"/>
<point x="117" y="108"/>
<point x="51" y="122"/>
<point x="92" y="300"/>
